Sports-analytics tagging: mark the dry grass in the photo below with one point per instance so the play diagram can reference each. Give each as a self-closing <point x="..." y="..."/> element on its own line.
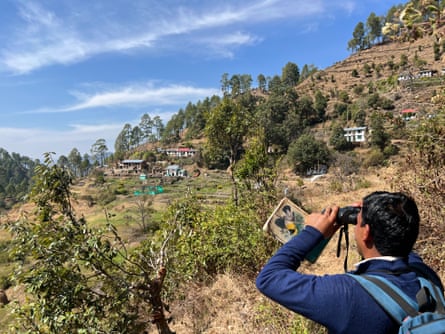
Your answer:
<point x="231" y="304"/>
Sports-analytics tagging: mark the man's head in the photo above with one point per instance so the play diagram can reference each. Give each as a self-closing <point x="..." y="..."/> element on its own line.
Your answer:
<point x="393" y="220"/>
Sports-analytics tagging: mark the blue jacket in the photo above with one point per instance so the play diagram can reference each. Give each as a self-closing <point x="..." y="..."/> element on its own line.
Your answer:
<point x="337" y="302"/>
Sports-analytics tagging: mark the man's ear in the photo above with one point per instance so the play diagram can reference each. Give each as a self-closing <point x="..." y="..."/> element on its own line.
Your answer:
<point x="367" y="238"/>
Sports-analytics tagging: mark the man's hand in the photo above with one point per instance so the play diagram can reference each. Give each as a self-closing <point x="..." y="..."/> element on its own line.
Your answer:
<point x="324" y="222"/>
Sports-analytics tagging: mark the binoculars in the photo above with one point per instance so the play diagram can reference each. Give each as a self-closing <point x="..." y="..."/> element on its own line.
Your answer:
<point x="348" y="215"/>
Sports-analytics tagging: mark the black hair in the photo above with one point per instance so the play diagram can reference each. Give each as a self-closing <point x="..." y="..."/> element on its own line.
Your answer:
<point x="393" y="220"/>
<point x="286" y="208"/>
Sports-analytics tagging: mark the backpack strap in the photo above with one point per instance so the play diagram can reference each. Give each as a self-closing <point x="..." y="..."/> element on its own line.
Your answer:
<point x="392" y="299"/>
<point x="427" y="288"/>
<point x="423" y="271"/>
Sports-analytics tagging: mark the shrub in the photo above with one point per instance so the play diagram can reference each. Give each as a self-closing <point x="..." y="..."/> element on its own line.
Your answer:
<point x="390" y="150"/>
<point x="374" y="158"/>
<point x="5" y="282"/>
<point x="423" y="177"/>
<point x="362" y="184"/>
<point x="105" y="197"/>
<point x="358" y="90"/>
<point x="214" y="240"/>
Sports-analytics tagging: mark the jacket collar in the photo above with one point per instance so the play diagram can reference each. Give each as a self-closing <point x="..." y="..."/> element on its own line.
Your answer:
<point x="388" y="264"/>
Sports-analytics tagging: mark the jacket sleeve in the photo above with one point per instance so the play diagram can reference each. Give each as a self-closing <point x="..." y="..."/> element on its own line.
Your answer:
<point x="316" y="297"/>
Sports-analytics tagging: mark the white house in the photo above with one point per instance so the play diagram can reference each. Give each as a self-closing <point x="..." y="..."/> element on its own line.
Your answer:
<point x="179" y="152"/>
<point x="408" y="114"/>
<point x="355" y="135"/>
<point x="175" y="170"/>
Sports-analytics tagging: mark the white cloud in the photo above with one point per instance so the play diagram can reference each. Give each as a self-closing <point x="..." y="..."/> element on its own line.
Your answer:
<point x="61" y="36"/>
<point x="34" y="142"/>
<point x="137" y="95"/>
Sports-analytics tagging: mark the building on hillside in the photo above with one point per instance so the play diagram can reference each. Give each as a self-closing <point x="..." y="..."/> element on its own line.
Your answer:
<point x="274" y="149"/>
<point x="355" y="135"/>
<point x="179" y="152"/>
<point x="131" y="166"/>
<point x="175" y="170"/>
<point x="408" y="114"/>
<point x="405" y="76"/>
<point x="427" y="73"/>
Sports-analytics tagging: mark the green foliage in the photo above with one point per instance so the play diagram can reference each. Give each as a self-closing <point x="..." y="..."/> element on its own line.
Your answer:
<point x="307" y="152"/>
<point x="379" y="137"/>
<point x="340" y="108"/>
<point x="390" y="150"/>
<point x="374" y="101"/>
<point x="374" y="158"/>
<point x="281" y="321"/>
<point x="338" y="139"/>
<point x="359" y="117"/>
<point x="320" y="105"/>
<point x="358" y="90"/>
<point x="15" y="178"/>
<point x="98" y="176"/>
<point x="343" y="96"/>
<point x="99" y="149"/>
<point x="213" y="240"/>
<point x="359" y="40"/>
<point x="367" y="69"/>
<point x="105" y="197"/>
<point x="403" y="60"/>
<point x="257" y="173"/>
<point x="363" y="183"/>
<point x="226" y="130"/>
<point x="419" y="62"/>
<point x="79" y="280"/>
<point x="290" y="74"/>
<point x="423" y="176"/>
<point x="120" y="189"/>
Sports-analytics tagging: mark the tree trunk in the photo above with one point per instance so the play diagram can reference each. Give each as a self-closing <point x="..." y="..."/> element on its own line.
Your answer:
<point x="158" y="316"/>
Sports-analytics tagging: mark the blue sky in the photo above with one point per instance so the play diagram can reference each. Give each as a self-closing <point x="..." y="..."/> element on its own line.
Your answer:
<point x="74" y="71"/>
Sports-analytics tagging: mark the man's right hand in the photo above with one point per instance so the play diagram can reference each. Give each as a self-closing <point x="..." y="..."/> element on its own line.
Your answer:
<point x="324" y="222"/>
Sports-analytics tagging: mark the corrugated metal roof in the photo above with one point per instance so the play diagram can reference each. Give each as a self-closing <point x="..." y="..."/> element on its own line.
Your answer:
<point x="129" y="161"/>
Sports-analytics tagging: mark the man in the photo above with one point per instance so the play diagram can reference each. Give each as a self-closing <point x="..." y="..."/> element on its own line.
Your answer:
<point x="385" y="233"/>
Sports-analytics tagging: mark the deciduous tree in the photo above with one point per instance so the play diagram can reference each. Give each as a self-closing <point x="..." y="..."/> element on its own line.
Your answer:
<point x="226" y="130"/>
<point x="98" y="149"/>
<point x="307" y="152"/>
<point x="80" y="279"/>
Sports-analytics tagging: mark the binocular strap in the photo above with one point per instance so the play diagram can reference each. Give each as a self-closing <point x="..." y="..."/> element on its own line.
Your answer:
<point x="343" y="231"/>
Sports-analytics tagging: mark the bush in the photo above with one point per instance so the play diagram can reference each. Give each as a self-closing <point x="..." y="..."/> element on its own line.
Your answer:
<point x="4" y="256"/>
<point x="390" y="150"/>
<point x="358" y="90"/>
<point x="215" y="240"/>
<point x="105" y="197"/>
<point x="307" y="152"/>
<point x="120" y="190"/>
<point x="362" y="184"/>
<point x="374" y="158"/>
<point x="340" y="108"/>
<point x="5" y="282"/>
<point x="423" y="177"/>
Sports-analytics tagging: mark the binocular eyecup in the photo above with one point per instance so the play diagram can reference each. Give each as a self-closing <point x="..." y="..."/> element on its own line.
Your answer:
<point x="348" y="215"/>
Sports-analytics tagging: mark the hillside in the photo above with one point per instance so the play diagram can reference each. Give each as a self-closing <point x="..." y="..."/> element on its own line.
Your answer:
<point x="377" y="66"/>
<point x="229" y="303"/>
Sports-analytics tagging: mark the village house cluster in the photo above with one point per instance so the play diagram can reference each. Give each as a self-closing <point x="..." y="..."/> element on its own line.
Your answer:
<point x="421" y="74"/>
<point x="129" y="167"/>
